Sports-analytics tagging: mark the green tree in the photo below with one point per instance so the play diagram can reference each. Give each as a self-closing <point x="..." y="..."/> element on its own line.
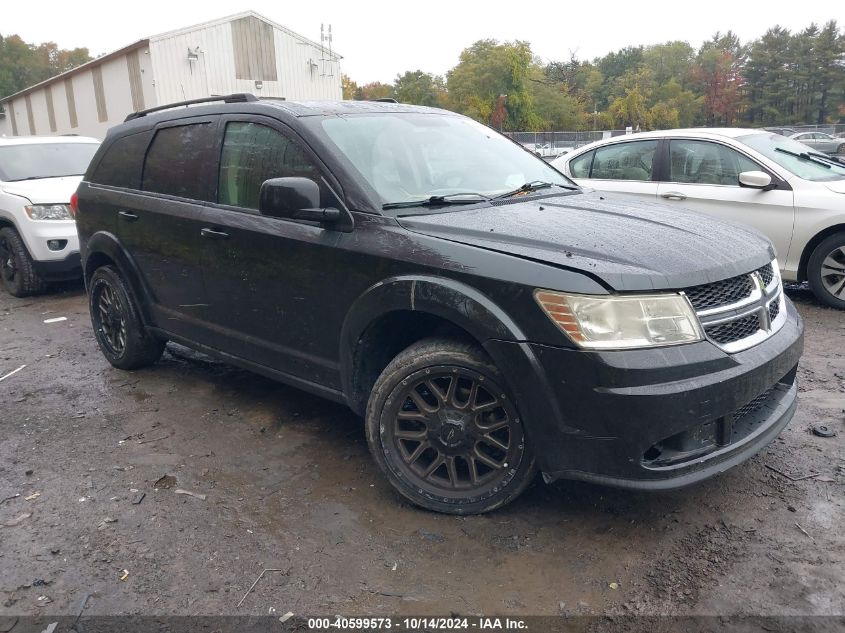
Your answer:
<point x="487" y="70"/>
<point x="420" y="88"/>
<point x="374" y="90"/>
<point x="349" y="87"/>
<point x="23" y="64"/>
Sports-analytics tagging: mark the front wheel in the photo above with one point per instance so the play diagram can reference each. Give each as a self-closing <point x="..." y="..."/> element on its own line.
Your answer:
<point x="17" y="270"/>
<point x="444" y="428"/>
<point x="826" y="271"/>
<point x="121" y="335"/>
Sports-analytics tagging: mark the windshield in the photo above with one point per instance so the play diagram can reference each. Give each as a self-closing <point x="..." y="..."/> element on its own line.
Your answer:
<point x="44" y="160"/>
<point x="786" y="153"/>
<point x="413" y="157"/>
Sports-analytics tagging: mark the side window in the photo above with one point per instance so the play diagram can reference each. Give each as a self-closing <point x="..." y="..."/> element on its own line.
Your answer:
<point x="178" y="161"/>
<point x="253" y="153"/>
<point x="633" y="160"/>
<point x="580" y="167"/>
<point x="705" y="163"/>
<point x="122" y="162"/>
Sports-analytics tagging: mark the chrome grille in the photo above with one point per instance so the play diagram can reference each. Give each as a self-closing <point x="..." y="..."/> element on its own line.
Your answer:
<point x="742" y="311"/>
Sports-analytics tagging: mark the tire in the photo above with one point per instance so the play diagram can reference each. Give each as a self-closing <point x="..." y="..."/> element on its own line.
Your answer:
<point x="16" y="268"/>
<point x="443" y="427"/>
<point x="841" y="149"/>
<point x="826" y="271"/>
<point x="121" y="335"/>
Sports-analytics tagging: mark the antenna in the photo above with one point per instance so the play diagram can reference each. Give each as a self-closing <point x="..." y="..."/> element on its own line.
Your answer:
<point x="326" y="42"/>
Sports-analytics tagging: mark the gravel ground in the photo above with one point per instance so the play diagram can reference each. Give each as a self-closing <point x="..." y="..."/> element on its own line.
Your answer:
<point x="282" y="480"/>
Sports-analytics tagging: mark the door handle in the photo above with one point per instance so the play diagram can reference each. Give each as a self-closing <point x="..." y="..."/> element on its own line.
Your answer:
<point x="126" y="215"/>
<point x="673" y="195"/>
<point x="214" y="235"/>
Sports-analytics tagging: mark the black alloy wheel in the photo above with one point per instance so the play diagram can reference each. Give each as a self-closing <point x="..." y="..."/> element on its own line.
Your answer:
<point x="450" y="437"/>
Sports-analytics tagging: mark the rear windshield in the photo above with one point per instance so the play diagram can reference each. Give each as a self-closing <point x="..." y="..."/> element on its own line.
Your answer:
<point x="44" y="160"/>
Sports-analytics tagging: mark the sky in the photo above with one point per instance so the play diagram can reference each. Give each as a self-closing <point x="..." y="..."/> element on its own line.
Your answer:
<point x="380" y="39"/>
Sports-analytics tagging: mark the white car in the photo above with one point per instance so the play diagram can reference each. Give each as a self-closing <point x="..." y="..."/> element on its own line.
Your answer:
<point x="38" y="241"/>
<point x="790" y="193"/>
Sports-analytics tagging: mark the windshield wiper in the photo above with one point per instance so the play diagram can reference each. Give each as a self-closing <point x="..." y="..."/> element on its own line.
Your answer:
<point x="813" y="158"/>
<point x="433" y="201"/>
<point x="534" y="185"/>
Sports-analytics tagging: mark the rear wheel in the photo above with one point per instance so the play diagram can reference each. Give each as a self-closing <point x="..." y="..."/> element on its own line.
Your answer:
<point x="16" y="268"/>
<point x="445" y="430"/>
<point x="121" y="335"/>
<point x="826" y="271"/>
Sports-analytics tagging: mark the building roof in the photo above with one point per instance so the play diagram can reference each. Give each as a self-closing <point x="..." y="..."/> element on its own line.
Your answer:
<point x="155" y="38"/>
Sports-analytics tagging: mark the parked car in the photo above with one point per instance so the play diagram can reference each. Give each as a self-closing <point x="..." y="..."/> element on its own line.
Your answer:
<point x="486" y="316"/>
<point x="820" y="142"/>
<point x="38" y="240"/>
<point x="791" y="194"/>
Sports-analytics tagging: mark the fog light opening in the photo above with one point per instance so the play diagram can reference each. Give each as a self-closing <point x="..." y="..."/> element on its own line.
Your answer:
<point x="56" y="245"/>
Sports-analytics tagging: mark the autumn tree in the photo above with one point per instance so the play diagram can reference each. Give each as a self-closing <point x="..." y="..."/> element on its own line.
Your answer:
<point x="23" y="64"/>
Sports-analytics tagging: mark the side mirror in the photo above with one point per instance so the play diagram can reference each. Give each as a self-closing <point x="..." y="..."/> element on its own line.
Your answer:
<point x="755" y="180"/>
<point x="294" y="198"/>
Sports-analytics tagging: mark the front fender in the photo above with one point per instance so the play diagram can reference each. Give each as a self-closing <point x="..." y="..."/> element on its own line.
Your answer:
<point x="451" y="300"/>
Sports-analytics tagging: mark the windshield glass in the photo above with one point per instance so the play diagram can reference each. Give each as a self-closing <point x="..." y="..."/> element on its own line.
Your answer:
<point x="818" y="169"/>
<point x="408" y="157"/>
<point x="44" y="160"/>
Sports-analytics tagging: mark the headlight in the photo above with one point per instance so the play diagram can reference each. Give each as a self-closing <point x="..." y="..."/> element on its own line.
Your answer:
<point x="48" y="212"/>
<point x="621" y="322"/>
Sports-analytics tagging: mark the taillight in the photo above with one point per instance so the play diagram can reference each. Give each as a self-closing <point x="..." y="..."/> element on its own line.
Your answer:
<point x="74" y="205"/>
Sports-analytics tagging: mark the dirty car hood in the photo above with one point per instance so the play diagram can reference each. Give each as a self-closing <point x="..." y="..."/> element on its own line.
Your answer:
<point x="627" y="243"/>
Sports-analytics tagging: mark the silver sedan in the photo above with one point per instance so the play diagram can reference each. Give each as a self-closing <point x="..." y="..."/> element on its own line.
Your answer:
<point x="821" y="142"/>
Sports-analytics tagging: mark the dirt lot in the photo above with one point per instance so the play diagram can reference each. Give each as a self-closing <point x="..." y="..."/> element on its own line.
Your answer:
<point x="288" y="484"/>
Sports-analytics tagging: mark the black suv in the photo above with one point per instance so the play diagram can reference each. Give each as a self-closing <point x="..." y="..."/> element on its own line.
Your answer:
<point x="485" y="315"/>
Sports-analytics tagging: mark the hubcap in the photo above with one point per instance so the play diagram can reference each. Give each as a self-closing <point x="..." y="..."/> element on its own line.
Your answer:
<point x="111" y="321"/>
<point x="453" y="431"/>
<point x="833" y="272"/>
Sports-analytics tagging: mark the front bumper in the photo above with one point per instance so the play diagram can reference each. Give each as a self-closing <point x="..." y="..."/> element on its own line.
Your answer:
<point x="36" y="236"/>
<point x="652" y="419"/>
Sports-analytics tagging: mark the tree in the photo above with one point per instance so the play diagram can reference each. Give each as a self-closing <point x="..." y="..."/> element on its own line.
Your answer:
<point x="22" y="64"/>
<point x="718" y="74"/>
<point x="420" y="88"/>
<point x="374" y="90"/>
<point x="487" y="70"/>
<point x="348" y="87"/>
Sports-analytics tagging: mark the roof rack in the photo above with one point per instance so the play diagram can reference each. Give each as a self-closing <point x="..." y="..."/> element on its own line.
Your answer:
<point x="386" y="100"/>
<point x="240" y="97"/>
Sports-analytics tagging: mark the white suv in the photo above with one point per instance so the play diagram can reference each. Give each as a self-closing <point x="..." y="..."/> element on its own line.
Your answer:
<point x="38" y="242"/>
<point x="792" y="194"/>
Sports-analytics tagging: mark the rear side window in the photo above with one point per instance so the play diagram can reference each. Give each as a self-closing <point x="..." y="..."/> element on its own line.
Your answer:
<point x="123" y="162"/>
<point x="253" y="153"/>
<point x="580" y="167"/>
<point x="179" y="161"/>
<point x="625" y="161"/>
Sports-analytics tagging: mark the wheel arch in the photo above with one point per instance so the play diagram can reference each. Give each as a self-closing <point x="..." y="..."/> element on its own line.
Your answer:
<point x="104" y="249"/>
<point x="811" y="245"/>
<point x="397" y="312"/>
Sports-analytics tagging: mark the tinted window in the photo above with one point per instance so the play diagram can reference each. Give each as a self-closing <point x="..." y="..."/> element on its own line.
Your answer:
<point x="625" y="161"/>
<point x="45" y="160"/>
<point x="706" y="163"/>
<point x="580" y="167"/>
<point x="178" y="161"/>
<point x="123" y="161"/>
<point x="253" y="153"/>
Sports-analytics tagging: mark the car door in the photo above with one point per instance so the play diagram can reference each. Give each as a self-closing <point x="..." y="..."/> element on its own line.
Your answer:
<point x="809" y="139"/>
<point x="622" y="167"/>
<point x="160" y="226"/>
<point x="703" y="175"/>
<point x="265" y="275"/>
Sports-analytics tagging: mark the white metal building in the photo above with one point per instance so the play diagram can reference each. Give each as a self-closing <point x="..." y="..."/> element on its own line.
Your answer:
<point x="240" y="53"/>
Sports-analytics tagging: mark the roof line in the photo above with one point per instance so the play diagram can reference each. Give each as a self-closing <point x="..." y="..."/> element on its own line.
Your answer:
<point x="236" y="16"/>
<point x="73" y="71"/>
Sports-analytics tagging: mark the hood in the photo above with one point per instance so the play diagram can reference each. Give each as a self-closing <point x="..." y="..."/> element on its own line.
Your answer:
<point x="44" y="190"/>
<point x="837" y="186"/>
<point x="626" y="243"/>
